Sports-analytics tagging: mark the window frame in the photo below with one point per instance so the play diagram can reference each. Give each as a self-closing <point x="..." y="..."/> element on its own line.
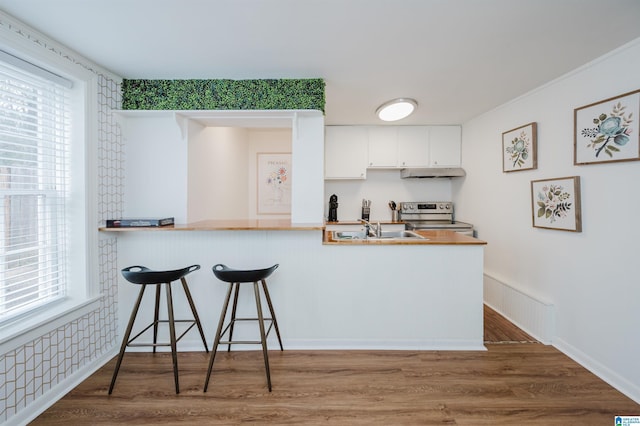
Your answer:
<point x="82" y="290"/>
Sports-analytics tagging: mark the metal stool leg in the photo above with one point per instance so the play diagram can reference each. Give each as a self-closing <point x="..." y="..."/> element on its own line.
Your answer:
<point x="195" y="313"/>
<point x="214" y="348"/>
<point x="125" y="338"/>
<point x="156" y="317"/>
<point x="172" y="336"/>
<point x="273" y="314"/>
<point x="233" y="315"/>
<point x="263" y="337"/>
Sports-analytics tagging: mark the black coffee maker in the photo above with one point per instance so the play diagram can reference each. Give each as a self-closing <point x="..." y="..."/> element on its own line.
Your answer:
<point x="333" y="208"/>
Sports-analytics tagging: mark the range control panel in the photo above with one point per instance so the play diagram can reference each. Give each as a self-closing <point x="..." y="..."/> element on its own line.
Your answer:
<point x="426" y="207"/>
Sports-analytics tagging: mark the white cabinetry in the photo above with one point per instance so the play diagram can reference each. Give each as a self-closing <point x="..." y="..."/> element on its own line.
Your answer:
<point x="345" y="152"/>
<point x="445" y="146"/>
<point x="398" y="146"/>
<point x="383" y="146"/>
<point x="350" y="150"/>
<point x="413" y="146"/>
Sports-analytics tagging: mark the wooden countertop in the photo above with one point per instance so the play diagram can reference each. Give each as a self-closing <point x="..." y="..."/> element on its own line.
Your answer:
<point x="358" y="222"/>
<point x="439" y="237"/>
<point x="227" y="225"/>
<point x="442" y="237"/>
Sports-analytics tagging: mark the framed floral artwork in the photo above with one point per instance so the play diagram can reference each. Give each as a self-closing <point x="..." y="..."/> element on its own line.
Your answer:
<point x="274" y="183"/>
<point x="555" y="203"/>
<point x="606" y="131"/>
<point x="519" y="150"/>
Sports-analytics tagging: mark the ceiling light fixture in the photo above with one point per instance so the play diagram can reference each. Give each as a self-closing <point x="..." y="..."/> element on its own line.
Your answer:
<point x="396" y="109"/>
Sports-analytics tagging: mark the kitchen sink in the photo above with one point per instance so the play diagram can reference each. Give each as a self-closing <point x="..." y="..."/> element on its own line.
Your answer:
<point x="400" y="234"/>
<point x="386" y="235"/>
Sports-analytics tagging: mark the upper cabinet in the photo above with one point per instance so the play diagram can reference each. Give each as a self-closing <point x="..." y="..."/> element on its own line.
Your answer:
<point x="345" y="152"/>
<point x="383" y="146"/>
<point x="413" y="146"/>
<point x="445" y="146"/>
<point x="350" y="150"/>
<point x="398" y="146"/>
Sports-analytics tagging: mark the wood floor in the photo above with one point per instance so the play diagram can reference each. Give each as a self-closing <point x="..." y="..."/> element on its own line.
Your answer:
<point x="509" y="384"/>
<point x="498" y="330"/>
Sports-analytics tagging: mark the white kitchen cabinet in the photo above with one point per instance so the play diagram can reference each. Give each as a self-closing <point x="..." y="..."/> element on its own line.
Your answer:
<point x="383" y="147"/>
<point x="345" y="152"/>
<point x="398" y="146"/>
<point x="445" y="144"/>
<point x="350" y="150"/>
<point x="413" y="146"/>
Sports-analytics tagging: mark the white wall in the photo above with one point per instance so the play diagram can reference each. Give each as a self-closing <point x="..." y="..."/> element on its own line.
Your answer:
<point x="217" y="173"/>
<point x="308" y="168"/>
<point x="590" y="277"/>
<point x="155" y="163"/>
<point x="222" y="170"/>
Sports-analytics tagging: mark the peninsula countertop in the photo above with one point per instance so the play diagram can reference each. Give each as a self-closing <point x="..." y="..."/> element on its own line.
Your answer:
<point x="227" y="225"/>
<point x="431" y="237"/>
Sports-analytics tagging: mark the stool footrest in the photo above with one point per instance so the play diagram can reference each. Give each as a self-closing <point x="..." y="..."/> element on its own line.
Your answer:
<point x="129" y="343"/>
<point x="139" y="345"/>
<point x="266" y="333"/>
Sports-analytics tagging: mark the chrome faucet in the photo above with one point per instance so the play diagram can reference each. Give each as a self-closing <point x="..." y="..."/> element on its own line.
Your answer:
<point x="377" y="229"/>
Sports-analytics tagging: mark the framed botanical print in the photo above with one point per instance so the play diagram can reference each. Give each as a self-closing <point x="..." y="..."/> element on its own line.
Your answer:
<point x="607" y="131"/>
<point x="555" y="203"/>
<point x="274" y="183"/>
<point x="519" y="151"/>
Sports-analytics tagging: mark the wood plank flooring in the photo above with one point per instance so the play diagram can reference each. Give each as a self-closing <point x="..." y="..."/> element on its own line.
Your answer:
<point x="509" y="384"/>
<point x="497" y="329"/>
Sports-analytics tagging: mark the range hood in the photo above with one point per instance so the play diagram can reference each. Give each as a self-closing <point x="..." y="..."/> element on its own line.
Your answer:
<point x="432" y="172"/>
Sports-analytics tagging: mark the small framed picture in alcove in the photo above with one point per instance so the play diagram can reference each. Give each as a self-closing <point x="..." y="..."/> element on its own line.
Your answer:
<point x="555" y="203"/>
<point x="519" y="150"/>
<point x="274" y="183"/>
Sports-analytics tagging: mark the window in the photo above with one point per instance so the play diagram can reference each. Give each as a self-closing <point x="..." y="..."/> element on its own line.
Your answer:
<point x="34" y="186"/>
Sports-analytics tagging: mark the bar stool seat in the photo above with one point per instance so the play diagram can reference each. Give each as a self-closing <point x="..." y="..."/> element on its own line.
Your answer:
<point x="235" y="277"/>
<point x="145" y="276"/>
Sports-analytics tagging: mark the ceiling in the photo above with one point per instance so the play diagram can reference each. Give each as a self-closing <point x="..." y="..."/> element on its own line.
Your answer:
<point x="457" y="58"/>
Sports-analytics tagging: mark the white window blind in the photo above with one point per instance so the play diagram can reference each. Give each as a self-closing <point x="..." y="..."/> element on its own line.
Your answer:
<point x="34" y="184"/>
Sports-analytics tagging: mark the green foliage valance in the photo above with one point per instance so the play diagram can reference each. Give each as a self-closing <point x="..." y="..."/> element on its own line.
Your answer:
<point x="223" y="94"/>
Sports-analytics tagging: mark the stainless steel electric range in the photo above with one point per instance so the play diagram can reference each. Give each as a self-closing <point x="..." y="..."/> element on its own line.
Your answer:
<point x="423" y="215"/>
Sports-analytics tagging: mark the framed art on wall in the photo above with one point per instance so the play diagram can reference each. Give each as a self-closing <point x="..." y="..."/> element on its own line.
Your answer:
<point x="274" y="183"/>
<point x="519" y="151"/>
<point x="555" y="203"/>
<point x="606" y="131"/>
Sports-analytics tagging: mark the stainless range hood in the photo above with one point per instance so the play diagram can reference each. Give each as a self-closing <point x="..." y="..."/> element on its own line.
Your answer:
<point x="432" y="172"/>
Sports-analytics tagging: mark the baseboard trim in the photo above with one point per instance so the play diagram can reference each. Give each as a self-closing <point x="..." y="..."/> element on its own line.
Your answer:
<point x="383" y="345"/>
<point x="600" y="370"/>
<point x="342" y="344"/>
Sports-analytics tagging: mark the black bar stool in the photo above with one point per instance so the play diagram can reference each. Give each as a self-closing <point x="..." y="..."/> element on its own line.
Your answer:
<point x="235" y="277"/>
<point x="145" y="276"/>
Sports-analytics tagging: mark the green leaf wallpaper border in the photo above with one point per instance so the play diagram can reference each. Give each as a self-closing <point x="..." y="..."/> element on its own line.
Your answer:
<point x="223" y="94"/>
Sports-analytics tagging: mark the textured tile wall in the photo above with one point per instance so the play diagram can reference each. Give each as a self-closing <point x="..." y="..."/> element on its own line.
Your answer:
<point x="29" y="371"/>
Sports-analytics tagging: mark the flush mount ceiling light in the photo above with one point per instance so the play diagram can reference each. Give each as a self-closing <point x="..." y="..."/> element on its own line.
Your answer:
<point x="396" y="109"/>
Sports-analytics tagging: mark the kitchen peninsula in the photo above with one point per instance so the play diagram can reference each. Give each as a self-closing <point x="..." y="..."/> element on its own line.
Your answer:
<point x="424" y="295"/>
<point x="327" y="295"/>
